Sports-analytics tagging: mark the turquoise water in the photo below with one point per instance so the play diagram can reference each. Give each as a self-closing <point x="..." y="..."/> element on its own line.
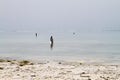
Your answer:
<point x="103" y="45"/>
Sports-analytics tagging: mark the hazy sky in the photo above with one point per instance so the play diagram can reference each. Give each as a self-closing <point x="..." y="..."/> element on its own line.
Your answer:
<point x="58" y="14"/>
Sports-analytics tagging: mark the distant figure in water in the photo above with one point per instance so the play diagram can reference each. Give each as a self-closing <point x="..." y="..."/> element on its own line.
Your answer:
<point x="51" y="40"/>
<point x="73" y="33"/>
<point x="36" y="34"/>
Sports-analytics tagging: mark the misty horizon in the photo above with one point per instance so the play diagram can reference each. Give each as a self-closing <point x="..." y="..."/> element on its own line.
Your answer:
<point x="63" y="15"/>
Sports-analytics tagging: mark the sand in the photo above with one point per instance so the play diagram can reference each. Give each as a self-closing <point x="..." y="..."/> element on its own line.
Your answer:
<point x="57" y="70"/>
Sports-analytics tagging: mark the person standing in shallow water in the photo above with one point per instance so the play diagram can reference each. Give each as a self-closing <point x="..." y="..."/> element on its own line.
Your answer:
<point x="36" y="34"/>
<point x="51" y="40"/>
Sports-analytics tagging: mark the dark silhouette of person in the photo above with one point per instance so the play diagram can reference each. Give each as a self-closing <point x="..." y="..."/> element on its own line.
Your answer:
<point x="36" y="34"/>
<point x="51" y="40"/>
<point x="73" y="33"/>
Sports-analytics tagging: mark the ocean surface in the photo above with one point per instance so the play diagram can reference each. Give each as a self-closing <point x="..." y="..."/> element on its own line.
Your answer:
<point x="94" y="45"/>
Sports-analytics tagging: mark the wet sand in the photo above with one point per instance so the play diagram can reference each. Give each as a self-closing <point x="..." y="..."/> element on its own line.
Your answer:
<point x="57" y="70"/>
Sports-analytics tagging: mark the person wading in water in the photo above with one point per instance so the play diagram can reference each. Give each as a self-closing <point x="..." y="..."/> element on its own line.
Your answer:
<point x="36" y="34"/>
<point x="51" y="40"/>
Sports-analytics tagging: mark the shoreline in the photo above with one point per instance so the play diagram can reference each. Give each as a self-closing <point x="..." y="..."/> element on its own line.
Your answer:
<point x="65" y="59"/>
<point x="57" y="70"/>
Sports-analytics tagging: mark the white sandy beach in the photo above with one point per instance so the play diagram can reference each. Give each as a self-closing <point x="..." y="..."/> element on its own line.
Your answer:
<point x="53" y="70"/>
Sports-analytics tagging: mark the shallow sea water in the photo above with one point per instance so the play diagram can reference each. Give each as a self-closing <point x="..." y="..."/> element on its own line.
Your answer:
<point x="89" y="46"/>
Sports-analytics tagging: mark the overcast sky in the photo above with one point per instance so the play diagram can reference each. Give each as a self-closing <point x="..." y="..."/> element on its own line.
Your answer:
<point x="58" y="14"/>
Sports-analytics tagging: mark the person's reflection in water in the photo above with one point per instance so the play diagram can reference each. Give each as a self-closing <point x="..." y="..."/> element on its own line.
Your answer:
<point x="51" y="44"/>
